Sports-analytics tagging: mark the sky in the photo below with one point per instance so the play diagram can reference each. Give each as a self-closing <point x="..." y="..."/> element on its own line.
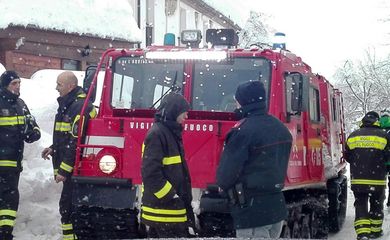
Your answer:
<point x="323" y="33"/>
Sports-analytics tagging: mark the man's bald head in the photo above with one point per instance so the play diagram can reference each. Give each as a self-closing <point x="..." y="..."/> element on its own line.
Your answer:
<point x="66" y="82"/>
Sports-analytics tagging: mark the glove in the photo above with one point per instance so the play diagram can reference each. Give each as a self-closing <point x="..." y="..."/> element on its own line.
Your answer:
<point x="31" y="130"/>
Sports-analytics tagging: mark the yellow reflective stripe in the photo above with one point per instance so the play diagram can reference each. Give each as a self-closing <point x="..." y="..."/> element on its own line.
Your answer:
<point x="68" y="237"/>
<point x="164" y="190"/>
<point x="8" y="212"/>
<point x="66" y="167"/>
<point x="376" y="229"/>
<point x="164" y="211"/>
<point x="55" y="172"/>
<point x="62" y="127"/>
<point x="93" y="113"/>
<point x="376" y="221"/>
<point x="363" y="230"/>
<point x="171" y="160"/>
<point x="7" y="222"/>
<point x="367" y="142"/>
<point x="67" y="227"/>
<point x="9" y="121"/>
<point x="77" y="118"/>
<point x="82" y="95"/>
<point x="368" y="182"/>
<point x="362" y="221"/>
<point x="8" y="163"/>
<point x="142" y="149"/>
<point x="164" y="219"/>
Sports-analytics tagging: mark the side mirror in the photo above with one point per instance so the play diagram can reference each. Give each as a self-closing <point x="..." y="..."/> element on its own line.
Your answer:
<point x="89" y="74"/>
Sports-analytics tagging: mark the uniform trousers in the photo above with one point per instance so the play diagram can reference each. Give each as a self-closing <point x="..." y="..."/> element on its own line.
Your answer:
<point x="267" y="231"/>
<point x="369" y="212"/>
<point x="9" y="202"/>
<point x="66" y="210"/>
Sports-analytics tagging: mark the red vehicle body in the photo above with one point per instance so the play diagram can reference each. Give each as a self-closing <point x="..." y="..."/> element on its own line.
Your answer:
<point x="134" y="81"/>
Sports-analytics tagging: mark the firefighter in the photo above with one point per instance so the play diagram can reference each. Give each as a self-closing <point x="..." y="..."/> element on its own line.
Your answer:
<point x="17" y="126"/>
<point x="253" y="165"/>
<point x="367" y="151"/>
<point x="63" y="149"/>
<point x="166" y="201"/>
<point x="385" y="124"/>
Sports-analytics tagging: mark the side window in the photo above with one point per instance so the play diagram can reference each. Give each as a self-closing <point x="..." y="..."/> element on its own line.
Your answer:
<point x="122" y="90"/>
<point x="293" y="82"/>
<point x="314" y="104"/>
<point x="334" y="109"/>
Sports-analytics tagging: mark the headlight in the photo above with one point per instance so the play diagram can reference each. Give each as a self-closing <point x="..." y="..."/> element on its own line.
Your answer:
<point x="107" y="164"/>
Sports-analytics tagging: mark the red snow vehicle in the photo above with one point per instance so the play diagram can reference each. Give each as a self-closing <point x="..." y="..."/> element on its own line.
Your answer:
<point x="107" y="174"/>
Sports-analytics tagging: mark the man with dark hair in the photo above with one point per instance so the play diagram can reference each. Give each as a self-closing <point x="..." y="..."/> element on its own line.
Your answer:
<point x="63" y="150"/>
<point x="166" y="200"/>
<point x="17" y="126"/>
<point x="367" y="151"/>
<point x="253" y="165"/>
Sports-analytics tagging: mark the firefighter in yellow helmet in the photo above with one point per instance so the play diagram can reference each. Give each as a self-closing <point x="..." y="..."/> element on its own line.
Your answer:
<point x="367" y="151"/>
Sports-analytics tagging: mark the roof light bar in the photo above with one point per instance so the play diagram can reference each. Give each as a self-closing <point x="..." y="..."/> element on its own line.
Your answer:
<point x="187" y="55"/>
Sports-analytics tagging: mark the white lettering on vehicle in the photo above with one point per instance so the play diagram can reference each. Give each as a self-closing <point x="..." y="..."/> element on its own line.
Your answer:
<point x="198" y="127"/>
<point x="140" y="125"/>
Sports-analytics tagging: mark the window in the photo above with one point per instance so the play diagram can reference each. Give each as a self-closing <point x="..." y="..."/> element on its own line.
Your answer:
<point x="183" y="19"/>
<point x="138" y="83"/>
<point x="314" y="104"/>
<point x="293" y="88"/>
<point x="196" y="20"/>
<point x="214" y="84"/>
<point x="334" y="109"/>
<point x="68" y="64"/>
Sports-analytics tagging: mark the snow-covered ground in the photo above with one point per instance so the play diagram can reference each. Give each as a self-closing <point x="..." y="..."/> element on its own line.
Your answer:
<point x="38" y="217"/>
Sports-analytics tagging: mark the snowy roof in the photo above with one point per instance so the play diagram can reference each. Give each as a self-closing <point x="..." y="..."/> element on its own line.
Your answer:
<point x="96" y="17"/>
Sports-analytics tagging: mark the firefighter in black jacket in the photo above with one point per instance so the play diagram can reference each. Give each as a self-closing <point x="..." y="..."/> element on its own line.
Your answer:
<point x="16" y="127"/>
<point x="253" y="165"/>
<point x="63" y="150"/>
<point x="367" y="151"/>
<point x="166" y="200"/>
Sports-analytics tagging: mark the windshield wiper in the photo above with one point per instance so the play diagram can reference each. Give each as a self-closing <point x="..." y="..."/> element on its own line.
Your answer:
<point x="173" y="88"/>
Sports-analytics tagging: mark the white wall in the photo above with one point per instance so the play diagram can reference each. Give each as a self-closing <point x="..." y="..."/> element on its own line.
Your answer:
<point x="171" y="24"/>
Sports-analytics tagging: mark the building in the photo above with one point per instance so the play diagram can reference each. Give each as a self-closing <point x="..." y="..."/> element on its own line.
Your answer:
<point x="158" y="17"/>
<point x="73" y="34"/>
<point x="62" y="34"/>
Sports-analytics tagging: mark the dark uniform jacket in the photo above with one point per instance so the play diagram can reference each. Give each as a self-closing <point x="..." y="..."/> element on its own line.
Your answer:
<point x="165" y="172"/>
<point x="255" y="158"/>
<point x="66" y="129"/>
<point x="367" y="151"/>
<point x="16" y="127"/>
<point x="385" y="125"/>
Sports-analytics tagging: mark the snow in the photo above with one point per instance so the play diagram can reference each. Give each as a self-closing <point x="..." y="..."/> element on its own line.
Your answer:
<point x="98" y="17"/>
<point x="38" y="217"/>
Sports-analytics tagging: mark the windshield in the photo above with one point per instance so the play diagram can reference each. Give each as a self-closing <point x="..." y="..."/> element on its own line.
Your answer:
<point x="215" y="83"/>
<point x="139" y="83"/>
